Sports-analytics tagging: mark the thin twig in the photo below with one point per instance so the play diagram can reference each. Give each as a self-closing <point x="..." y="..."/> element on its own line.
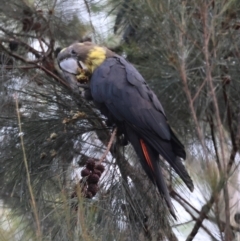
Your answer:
<point x="33" y="202"/>
<point x="109" y="145"/>
<point x="227" y="229"/>
<point x="37" y="65"/>
<point x="18" y="56"/>
<point x="210" y="121"/>
<point x="229" y="116"/>
<point x="21" y="43"/>
<point x="218" y="221"/>
<point x="191" y="104"/>
<point x="222" y="183"/>
<point x="199" y="90"/>
<point x="207" y="34"/>
<point x="202" y="215"/>
<point x="228" y="232"/>
<point x="19" y="67"/>
<point x="89" y="14"/>
<point x="174" y="194"/>
<point x="194" y="218"/>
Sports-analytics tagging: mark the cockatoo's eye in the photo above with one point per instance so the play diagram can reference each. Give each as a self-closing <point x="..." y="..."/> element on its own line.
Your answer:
<point x="73" y="52"/>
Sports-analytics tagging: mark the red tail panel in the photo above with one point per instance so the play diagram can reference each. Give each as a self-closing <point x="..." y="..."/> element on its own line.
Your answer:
<point x="146" y="154"/>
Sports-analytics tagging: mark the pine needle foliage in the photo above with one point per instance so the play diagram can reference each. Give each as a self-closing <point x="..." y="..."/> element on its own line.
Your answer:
<point x="188" y="53"/>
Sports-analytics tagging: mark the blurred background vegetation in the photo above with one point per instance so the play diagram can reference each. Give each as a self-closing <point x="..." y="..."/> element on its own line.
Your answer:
<point x="188" y="52"/>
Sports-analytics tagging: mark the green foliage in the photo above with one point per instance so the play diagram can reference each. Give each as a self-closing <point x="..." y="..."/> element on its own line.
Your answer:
<point x="188" y="53"/>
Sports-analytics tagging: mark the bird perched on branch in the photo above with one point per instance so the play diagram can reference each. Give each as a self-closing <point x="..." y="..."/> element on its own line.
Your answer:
<point x="123" y="96"/>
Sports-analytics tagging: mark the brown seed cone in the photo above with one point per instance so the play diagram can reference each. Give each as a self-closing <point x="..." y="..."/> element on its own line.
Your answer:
<point x="97" y="172"/>
<point x="90" y="164"/>
<point x="85" y="172"/>
<point x="36" y="26"/>
<point x="27" y="24"/>
<point x="100" y="167"/>
<point x="13" y="45"/>
<point x="93" y="178"/>
<point x="89" y="195"/>
<point x="93" y="188"/>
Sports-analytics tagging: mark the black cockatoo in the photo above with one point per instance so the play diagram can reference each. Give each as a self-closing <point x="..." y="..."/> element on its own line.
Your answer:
<point x="123" y="96"/>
